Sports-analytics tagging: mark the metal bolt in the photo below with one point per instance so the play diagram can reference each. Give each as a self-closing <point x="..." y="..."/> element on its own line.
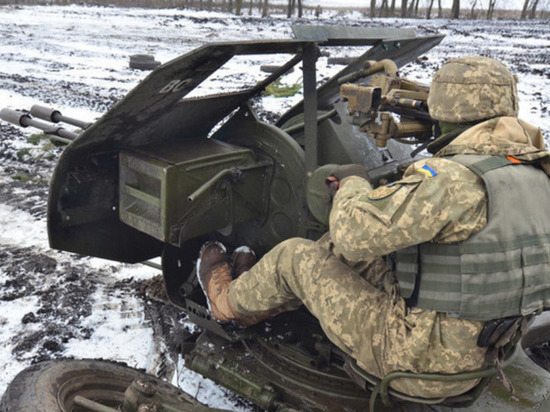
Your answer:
<point x="148" y="408"/>
<point x="143" y="387"/>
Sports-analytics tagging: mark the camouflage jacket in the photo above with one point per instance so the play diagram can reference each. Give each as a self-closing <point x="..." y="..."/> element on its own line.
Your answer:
<point x="437" y="200"/>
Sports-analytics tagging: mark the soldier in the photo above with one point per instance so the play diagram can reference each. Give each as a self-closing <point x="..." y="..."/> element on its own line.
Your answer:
<point x="427" y="273"/>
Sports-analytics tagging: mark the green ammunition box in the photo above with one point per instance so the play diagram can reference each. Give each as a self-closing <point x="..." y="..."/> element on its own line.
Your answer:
<point x="183" y="189"/>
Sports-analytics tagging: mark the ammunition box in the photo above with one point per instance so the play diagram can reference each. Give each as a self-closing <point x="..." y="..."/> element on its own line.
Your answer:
<point x="183" y="189"/>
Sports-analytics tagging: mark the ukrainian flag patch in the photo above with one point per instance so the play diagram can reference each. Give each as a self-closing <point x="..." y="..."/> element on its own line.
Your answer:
<point x="428" y="171"/>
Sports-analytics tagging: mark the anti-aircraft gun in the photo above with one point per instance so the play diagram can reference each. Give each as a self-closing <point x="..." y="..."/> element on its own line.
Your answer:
<point x="161" y="173"/>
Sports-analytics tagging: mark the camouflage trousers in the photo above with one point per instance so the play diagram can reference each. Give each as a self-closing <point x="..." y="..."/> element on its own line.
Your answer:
<point x="362" y="315"/>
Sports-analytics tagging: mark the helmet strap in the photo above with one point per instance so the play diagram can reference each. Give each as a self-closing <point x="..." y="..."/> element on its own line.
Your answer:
<point x="444" y="133"/>
<point x="446" y="138"/>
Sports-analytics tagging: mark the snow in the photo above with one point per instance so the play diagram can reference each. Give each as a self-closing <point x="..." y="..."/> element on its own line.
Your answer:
<point x="120" y="332"/>
<point x="76" y="59"/>
<point x="10" y="322"/>
<point x="21" y="229"/>
<point x="203" y="389"/>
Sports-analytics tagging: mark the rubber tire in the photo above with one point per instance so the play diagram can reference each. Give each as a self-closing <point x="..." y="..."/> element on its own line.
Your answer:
<point x="38" y="387"/>
<point x="272" y="68"/>
<point x="143" y="62"/>
<point x="341" y="60"/>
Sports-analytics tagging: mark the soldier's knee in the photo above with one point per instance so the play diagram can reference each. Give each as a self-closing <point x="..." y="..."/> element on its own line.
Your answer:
<point x="297" y="251"/>
<point x="296" y="243"/>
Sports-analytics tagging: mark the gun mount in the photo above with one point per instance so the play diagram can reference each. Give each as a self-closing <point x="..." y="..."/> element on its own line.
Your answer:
<point x="151" y="178"/>
<point x="372" y="105"/>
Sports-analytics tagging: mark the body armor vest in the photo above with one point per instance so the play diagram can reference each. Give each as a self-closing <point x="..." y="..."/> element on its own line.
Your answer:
<point x="504" y="269"/>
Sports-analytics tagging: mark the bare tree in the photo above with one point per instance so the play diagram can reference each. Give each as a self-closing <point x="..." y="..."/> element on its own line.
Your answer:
<point x="529" y="9"/>
<point x="429" y="11"/>
<point x="372" y="8"/>
<point x="439" y="9"/>
<point x="525" y="9"/>
<point x="533" y="13"/>
<point x="403" y="8"/>
<point x="265" y="8"/>
<point x="413" y="8"/>
<point x="490" y="9"/>
<point x="455" y="9"/>
<point x="238" y="7"/>
<point x="473" y="3"/>
<point x="384" y="8"/>
<point x="392" y="8"/>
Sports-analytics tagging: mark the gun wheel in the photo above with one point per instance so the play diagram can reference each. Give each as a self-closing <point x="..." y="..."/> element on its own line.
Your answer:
<point x="52" y="386"/>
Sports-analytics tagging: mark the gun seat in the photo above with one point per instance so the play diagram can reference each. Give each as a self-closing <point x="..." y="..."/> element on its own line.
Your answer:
<point x="380" y="387"/>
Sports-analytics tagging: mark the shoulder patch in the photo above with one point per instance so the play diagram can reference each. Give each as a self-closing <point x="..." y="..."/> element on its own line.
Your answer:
<point x="427" y="170"/>
<point x="383" y="191"/>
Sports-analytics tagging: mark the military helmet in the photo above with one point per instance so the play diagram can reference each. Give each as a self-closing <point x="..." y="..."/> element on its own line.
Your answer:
<point x="472" y="88"/>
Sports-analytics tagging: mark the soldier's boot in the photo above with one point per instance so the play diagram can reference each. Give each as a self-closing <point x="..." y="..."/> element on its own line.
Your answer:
<point x="242" y="260"/>
<point x="214" y="276"/>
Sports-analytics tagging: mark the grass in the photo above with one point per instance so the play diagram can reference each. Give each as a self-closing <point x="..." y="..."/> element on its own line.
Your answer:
<point x="27" y="178"/>
<point x="278" y="90"/>
<point x="44" y="150"/>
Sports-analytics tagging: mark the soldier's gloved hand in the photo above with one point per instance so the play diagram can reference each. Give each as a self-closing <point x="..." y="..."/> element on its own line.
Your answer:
<point x="323" y="184"/>
<point x="341" y="172"/>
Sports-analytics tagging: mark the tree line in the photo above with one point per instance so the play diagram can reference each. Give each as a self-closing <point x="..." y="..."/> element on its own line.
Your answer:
<point x="411" y="8"/>
<point x="470" y="9"/>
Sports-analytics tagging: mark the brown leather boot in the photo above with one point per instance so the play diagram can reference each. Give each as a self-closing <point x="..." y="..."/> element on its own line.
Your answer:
<point x="242" y="260"/>
<point x="214" y="276"/>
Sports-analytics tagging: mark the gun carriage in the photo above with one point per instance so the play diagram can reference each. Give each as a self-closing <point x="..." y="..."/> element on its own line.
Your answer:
<point x="161" y="173"/>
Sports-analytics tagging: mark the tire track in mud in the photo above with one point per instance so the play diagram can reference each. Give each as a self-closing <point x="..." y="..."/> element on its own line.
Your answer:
<point x="56" y="305"/>
<point x="52" y="92"/>
<point x="61" y="300"/>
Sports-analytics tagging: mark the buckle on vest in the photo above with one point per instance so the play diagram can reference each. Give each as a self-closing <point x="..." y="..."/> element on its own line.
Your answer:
<point x="498" y="332"/>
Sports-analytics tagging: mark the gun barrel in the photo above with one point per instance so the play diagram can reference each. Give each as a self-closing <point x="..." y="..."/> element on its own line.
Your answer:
<point x="388" y="66"/>
<point x="13" y="116"/>
<point x="24" y="119"/>
<point x="55" y="116"/>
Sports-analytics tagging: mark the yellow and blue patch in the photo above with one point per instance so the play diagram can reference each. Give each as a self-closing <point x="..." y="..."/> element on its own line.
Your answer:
<point x="427" y="170"/>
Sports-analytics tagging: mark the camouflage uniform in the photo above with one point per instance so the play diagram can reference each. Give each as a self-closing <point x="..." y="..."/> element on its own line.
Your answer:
<point x="364" y="315"/>
<point x="344" y="281"/>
